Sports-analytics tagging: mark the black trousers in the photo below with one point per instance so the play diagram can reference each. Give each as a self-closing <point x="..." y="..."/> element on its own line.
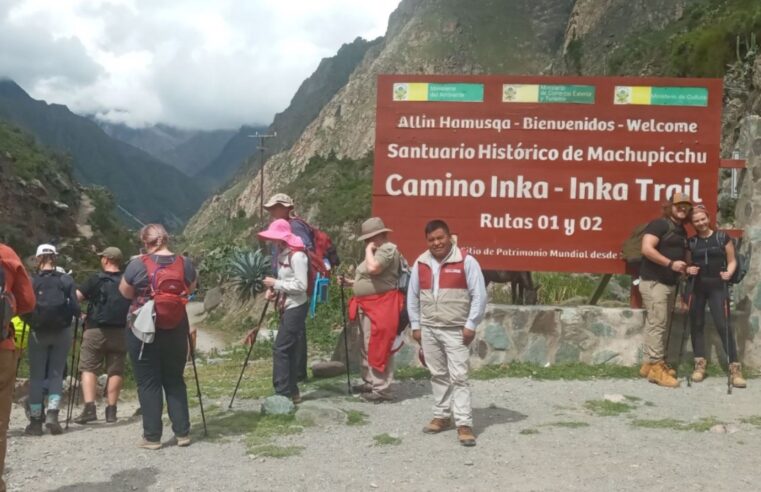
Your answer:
<point x="160" y="371"/>
<point x="287" y="352"/>
<point x="713" y="293"/>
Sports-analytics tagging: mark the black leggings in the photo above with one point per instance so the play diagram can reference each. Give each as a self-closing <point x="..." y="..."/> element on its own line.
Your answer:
<point x="715" y="295"/>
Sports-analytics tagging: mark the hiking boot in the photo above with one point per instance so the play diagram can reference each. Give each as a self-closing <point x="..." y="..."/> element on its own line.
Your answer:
<point x="699" y="373"/>
<point x="51" y="422"/>
<point x="182" y="441"/>
<point x="111" y="414"/>
<point x="375" y="398"/>
<point x="659" y="374"/>
<point x="88" y="414"/>
<point x="362" y="388"/>
<point x="35" y="427"/>
<point x="644" y="369"/>
<point x="296" y="398"/>
<point x="465" y="436"/>
<point x="736" y="375"/>
<point x="437" y="425"/>
<point x="146" y="444"/>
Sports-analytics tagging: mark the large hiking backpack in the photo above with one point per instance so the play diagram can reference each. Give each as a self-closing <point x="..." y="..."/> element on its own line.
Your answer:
<point x="54" y="308"/>
<point x="6" y="308"/>
<point x="109" y="307"/>
<point x="315" y="265"/>
<point x="631" y="249"/>
<point x="324" y="249"/>
<point x="168" y="290"/>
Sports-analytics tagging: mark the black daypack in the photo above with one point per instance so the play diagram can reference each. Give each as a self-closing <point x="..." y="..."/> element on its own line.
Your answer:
<point x="402" y="283"/>
<point x="743" y="261"/>
<point x="54" y="308"/>
<point x="108" y="307"/>
<point x="6" y="309"/>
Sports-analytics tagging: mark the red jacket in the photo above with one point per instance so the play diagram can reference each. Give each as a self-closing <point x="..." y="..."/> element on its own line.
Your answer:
<point x="17" y="283"/>
<point x="383" y="311"/>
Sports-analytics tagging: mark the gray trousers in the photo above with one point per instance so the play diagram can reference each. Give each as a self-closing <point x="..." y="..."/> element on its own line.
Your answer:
<point x="47" y="359"/>
<point x="286" y="354"/>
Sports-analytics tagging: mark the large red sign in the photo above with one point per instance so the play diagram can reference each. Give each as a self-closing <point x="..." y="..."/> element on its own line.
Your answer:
<point x="541" y="173"/>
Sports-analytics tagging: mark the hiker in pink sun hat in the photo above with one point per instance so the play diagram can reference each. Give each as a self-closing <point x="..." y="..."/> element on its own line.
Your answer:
<point x="290" y="289"/>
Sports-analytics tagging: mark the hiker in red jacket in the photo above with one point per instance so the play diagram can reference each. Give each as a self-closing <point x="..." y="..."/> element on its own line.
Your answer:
<point x="377" y="302"/>
<point x="16" y="297"/>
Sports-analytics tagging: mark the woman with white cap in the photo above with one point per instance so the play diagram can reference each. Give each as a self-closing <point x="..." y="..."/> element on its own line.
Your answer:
<point x="50" y="338"/>
<point x="290" y="288"/>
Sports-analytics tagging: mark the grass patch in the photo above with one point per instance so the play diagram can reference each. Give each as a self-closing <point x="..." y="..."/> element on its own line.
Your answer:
<point x="632" y="398"/>
<point x="569" y="424"/>
<point x="411" y="373"/>
<point x="355" y="417"/>
<point x="702" y="425"/>
<point x="386" y="440"/>
<point x="605" y="408"/>
<point x="649" y="404"/>
<point x="754" y="420"/>
<point x="528" y="432"/>
<point x="574" y="371"/>
<point x="273" y="451"/>
<point x="257" y="429"/>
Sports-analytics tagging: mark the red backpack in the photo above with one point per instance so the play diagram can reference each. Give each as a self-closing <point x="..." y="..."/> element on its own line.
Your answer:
<point x="168" y="291"/>
<point x="315" y="266"/>
<point x="323" y="247"/>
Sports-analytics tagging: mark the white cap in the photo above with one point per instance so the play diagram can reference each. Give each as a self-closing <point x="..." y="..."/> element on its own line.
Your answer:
<point x="46" y="249"/>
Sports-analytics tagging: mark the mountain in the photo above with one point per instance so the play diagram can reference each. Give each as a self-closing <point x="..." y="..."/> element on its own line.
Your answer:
<point x="141" y="184"/>
<point x="189" y="151"/>
<point x="238" y="149"/>
<point x="40" y="201"/>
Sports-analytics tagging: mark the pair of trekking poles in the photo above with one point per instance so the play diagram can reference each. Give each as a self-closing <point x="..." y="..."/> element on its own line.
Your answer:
<point x="690" y="297"/>
<point x="256" y="332"/>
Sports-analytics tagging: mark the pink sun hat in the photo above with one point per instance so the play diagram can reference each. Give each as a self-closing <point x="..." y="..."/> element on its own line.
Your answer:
<point x="280" y="230"/>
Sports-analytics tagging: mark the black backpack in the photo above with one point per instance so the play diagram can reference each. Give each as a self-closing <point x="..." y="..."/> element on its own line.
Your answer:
<point x="108" y="307"/>
<point x="6" y="309"/>
<point x="401" y="285"/>
<point x="743" y="261"/>
<point x="631" y="249"/>
<point x="54" y="308"/>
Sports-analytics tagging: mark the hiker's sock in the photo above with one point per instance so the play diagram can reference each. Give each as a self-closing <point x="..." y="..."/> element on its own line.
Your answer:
<point x="54" y="401"/>
<point x="35" y="409"/>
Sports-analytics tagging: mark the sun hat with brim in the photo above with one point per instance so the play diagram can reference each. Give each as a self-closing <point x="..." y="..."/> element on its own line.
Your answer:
<point x="280" y="230"/>
<point x="679" y="198"/>
<point x="371" y="228"/>
<point x="46" y="249"/>
<point x="112" y="253"/>
<point x="279" y="199"/>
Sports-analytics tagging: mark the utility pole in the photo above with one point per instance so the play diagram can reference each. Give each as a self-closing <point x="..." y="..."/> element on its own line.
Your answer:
<point x="262" y="148"/>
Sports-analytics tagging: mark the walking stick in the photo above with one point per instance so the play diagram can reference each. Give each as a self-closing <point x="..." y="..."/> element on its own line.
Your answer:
<point x="346" y="339"/>
<point x="24" y="329"/>
<point x="198" y="385"/>
<point x="248" y="355"/>
<point x="671" y="322"/>
<point x="73" y="373"/>
<point x="689" y="287"/>
<point x="726" y="327"/>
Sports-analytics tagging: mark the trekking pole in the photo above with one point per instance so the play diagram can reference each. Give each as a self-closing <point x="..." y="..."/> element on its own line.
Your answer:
<point x="688" y="288"/>
<point x="671" y="322"/>
<point x="198" y="385"/>
<point x="24" y="329"/>
<point x="72" y="374"/>
<point x="346" y="338"/>
<point x="726" y="327"/>
<point x="248" y="355"/>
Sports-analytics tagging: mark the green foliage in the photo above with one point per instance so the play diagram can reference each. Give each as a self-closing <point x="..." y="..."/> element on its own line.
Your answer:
<point x="573" y="371"/>
<point x="386" y="440"/>
<point x="247" y="270"/>
<point x="700" y="44"/>
<point x="605" y="408"/>
<point x="355" y="417"/>
<point x="214" y="266"/>
<point x="702" y="425"/>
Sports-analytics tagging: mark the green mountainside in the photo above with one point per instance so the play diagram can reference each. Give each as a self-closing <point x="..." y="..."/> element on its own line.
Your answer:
<point x="145" y="186"/>
<point x="41" y="202"/>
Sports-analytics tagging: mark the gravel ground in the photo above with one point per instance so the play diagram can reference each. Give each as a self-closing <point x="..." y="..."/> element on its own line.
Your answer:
<point x="609" y="454"/>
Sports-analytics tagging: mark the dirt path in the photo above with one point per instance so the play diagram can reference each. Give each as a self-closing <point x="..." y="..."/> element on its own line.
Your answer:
<point x="532" y="436"/>
<point x="206" y="339"/>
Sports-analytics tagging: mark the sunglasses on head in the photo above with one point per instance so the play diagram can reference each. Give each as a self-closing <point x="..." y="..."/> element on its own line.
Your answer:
<point x="683" y="206"/>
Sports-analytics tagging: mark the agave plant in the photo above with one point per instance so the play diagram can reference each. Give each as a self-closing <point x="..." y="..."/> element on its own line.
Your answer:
<point x="247" y="270"/>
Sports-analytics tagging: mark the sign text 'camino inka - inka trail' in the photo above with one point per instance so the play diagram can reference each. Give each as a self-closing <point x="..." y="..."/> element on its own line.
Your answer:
<point x="541" y="173"/>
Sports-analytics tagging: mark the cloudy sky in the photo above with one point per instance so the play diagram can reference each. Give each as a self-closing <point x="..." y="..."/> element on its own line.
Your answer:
<point x="188" y="63"/>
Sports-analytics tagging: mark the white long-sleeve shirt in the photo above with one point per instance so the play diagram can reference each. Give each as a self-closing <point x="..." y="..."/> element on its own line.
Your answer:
<point x="292" y="277"/>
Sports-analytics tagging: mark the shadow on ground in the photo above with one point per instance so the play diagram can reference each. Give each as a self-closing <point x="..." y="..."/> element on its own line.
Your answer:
<point x="492" y="415"/>
<point x="134" y="479"/>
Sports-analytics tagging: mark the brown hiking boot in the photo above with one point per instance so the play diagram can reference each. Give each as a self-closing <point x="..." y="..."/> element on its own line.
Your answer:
<point x="659" y="374"/>
<point x="465" y="436"/>
<point x="736" y="375"/>
<point x="437" y="425"/>
<point x="699" y="373"/>
<point x="644" y="369"/>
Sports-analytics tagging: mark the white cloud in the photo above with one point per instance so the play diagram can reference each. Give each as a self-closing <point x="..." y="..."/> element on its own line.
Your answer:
<point x="188" y="63"/>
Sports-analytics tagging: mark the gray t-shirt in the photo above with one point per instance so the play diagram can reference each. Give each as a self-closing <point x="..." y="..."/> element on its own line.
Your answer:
<point x="136" y="274"/>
